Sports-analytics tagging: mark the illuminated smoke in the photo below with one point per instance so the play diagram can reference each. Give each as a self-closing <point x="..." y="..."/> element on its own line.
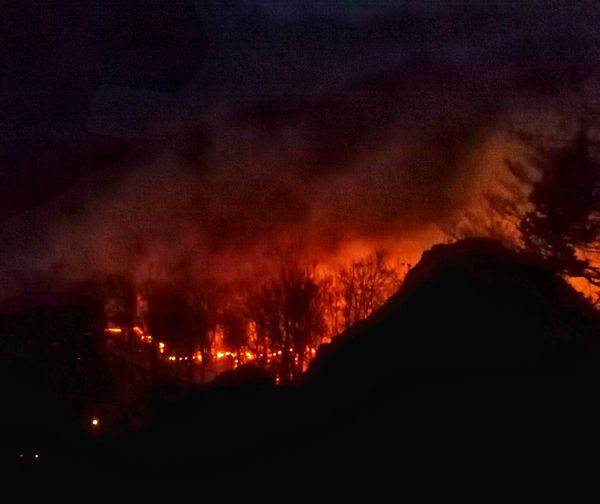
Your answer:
<point x="357" y="137"/>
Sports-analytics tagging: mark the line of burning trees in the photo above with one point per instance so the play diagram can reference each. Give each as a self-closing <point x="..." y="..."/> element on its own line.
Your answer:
<point x="204" y="329"/>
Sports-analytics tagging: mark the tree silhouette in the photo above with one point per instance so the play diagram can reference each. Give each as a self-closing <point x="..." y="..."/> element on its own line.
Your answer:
<point x="365" y="285"/>
<point x="561" y="226"/>
<point x="265" y="309"/>
<point x="332" y="305"/>
<point x="549" y="206"/>
<point x="303" y="314"/>
<point x="288" y="315"/>
<point x="234" y="331"/>
<point x="179" y="315"/>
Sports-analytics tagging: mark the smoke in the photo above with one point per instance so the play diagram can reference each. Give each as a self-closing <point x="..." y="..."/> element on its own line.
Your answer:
<point x="312" y="137"/>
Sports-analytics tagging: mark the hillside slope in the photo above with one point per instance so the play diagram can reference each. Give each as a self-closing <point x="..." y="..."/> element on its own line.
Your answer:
<point x="469" y="307"/>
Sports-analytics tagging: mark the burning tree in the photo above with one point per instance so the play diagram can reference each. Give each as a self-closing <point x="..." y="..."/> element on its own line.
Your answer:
<point x="179" y="315"/>
<point x="264" y="308"/>
<point x="332" y="306"/>
<point x="364" y="285"/>
<point x="277" y="325"/>
<point x="303" y="311"/>
<point x="234" y="331"/>
<point x="289" y="318"/>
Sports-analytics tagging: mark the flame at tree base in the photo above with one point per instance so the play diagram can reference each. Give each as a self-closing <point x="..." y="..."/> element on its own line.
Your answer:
<point x="204" y="368"/>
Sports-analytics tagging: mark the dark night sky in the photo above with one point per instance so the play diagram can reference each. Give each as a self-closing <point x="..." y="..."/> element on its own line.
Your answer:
<point x="175" y="130"/>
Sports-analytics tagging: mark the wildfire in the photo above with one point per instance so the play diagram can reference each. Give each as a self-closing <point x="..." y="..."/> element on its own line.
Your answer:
<point x="221" y="356"/>
<point x="278" y="327"/>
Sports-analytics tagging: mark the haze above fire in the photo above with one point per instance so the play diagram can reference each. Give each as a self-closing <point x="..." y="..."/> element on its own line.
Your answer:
<point x="308" y="132"/>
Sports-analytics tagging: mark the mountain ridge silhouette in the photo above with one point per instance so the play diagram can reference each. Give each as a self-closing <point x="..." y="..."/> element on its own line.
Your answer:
<point x="473" y="306"/>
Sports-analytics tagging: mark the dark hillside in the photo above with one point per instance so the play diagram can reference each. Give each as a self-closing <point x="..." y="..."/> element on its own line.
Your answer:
<point x="469" y="307"/>
<point x="480" y="353"/>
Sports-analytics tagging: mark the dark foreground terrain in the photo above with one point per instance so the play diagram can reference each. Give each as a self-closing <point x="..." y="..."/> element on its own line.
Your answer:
<point x="482" y="363"/>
